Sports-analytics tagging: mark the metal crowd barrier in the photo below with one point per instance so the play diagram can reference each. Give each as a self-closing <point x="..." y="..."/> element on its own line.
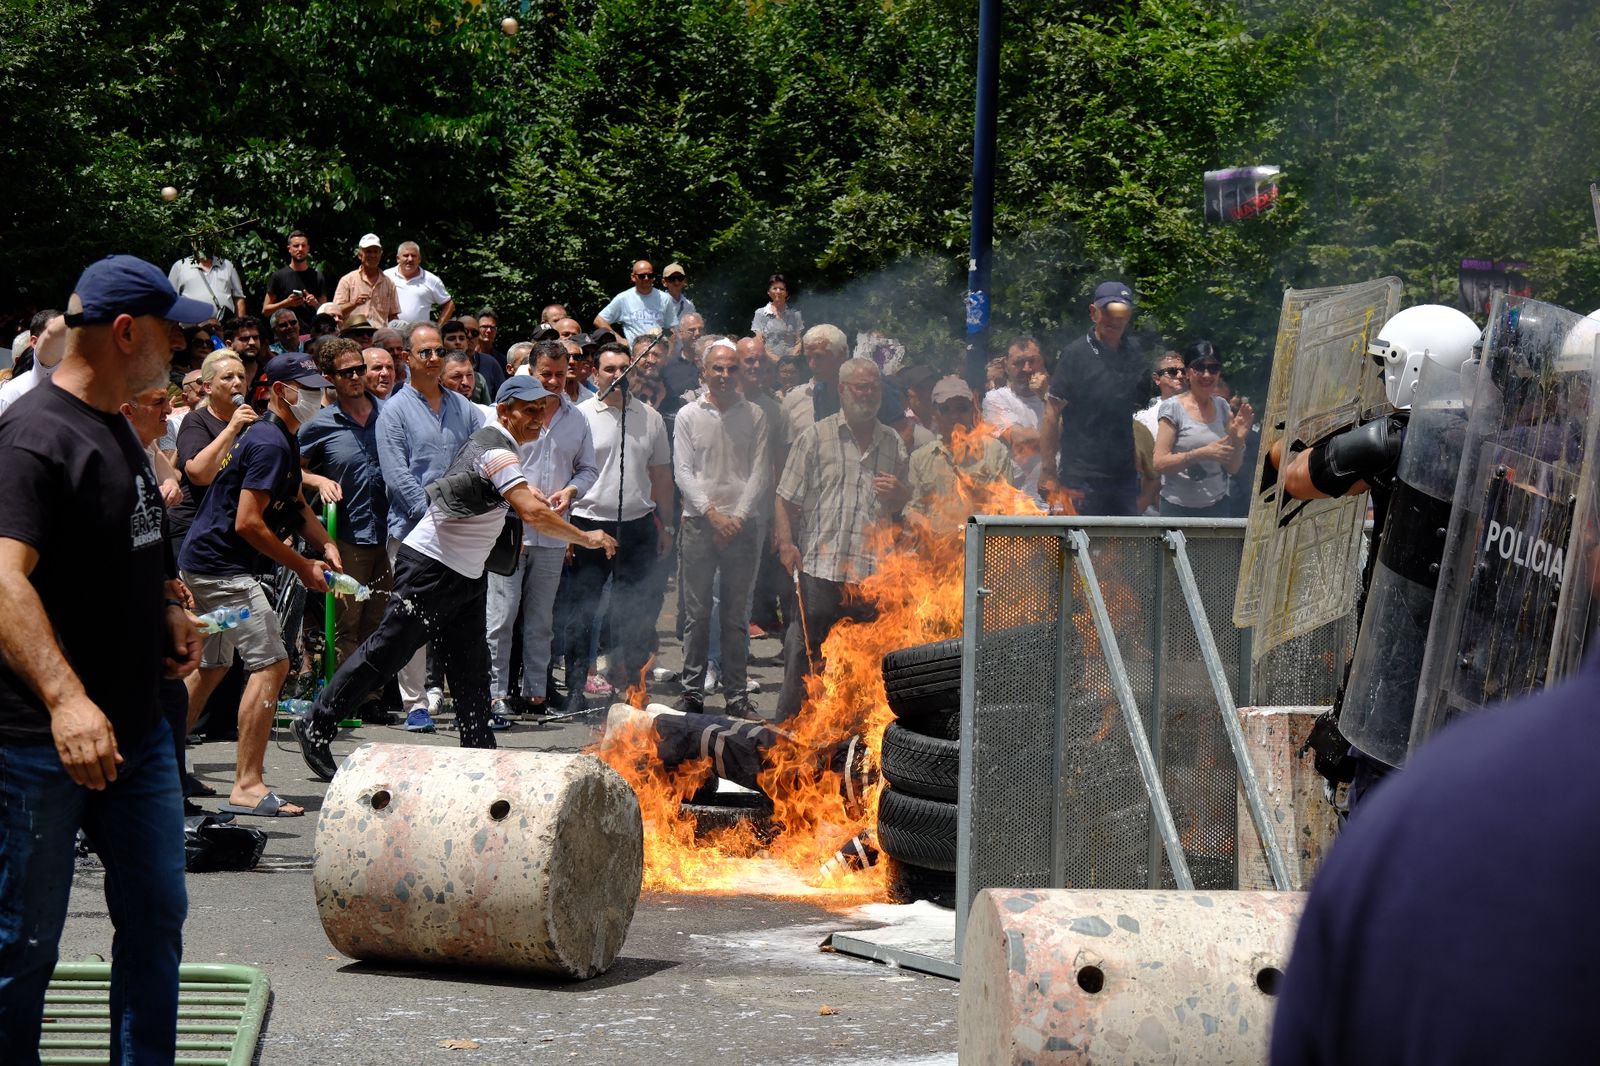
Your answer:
<point x="1101" y="674"/>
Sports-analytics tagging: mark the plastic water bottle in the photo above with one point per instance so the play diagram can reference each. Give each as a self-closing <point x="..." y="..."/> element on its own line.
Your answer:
<point x="222" y="618"/>
<point x="294" y="708"/>
<point x="345" y="585"/>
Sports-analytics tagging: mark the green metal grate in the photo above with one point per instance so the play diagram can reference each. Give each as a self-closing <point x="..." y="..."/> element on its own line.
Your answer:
<point x="220" y="1011"/>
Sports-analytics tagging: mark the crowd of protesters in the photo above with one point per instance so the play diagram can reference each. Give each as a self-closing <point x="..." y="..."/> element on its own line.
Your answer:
<point x="741" y="469"/>
<point x="521" y="512"/>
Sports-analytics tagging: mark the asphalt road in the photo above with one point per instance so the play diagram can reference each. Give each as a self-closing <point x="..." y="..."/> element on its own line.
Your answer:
<point x="701" y="979"/>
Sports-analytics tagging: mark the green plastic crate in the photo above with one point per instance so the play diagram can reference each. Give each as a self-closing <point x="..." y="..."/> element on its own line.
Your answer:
<point x="220" y="1012"/>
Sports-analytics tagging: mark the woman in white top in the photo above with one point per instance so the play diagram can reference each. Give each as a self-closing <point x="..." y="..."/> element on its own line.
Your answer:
<point x="777" y="323"/>
<point x="1199" y="439"/>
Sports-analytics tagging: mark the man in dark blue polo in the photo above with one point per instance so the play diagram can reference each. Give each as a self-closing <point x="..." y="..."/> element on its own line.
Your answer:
<point x="1087" y="431"/>
<point x="238" y="536"/>
<point x="339" y="454"/>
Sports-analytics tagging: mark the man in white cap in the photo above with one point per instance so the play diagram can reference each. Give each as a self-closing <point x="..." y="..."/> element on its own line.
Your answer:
<point x="950" y="476"/>
<point x="367" y="289"/>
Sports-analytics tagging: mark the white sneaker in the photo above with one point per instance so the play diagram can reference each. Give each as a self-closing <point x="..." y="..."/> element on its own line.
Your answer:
<point x="753" y="687"/>
<point x="435" y="700"/>
<point x="713" y="678"/>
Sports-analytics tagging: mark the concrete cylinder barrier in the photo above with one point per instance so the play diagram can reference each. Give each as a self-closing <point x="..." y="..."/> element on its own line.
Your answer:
<point x="1100" y="976"/>
<point x="516" y="860"/>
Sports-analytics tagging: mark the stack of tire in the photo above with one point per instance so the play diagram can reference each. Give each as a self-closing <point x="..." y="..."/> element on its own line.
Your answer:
<point x="920" y="759"/>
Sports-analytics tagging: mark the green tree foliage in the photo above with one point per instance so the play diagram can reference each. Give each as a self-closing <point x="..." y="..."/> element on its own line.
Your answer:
<point x="825" y="139"/>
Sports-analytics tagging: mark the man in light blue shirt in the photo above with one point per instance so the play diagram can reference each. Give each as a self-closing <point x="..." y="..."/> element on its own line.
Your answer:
<point x="639" y="309"/>
<point x="560" y="464"/>
<point x="420" y="429"/>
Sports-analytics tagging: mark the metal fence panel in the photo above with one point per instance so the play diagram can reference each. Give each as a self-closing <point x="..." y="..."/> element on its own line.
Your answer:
<point x="1051" y="792"/>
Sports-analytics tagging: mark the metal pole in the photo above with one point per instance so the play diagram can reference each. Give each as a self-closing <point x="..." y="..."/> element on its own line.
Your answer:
<point x="330" y="513"/>
<point x="1230" y="713"/>
<point x="983" y="152"/>
<point x="1123" y="690"/>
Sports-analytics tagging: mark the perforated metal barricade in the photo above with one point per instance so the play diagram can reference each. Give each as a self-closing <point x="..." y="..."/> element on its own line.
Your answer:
<point x="1101" y="677"/>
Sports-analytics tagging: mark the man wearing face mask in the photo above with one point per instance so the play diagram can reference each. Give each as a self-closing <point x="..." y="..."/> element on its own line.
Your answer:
<point x="238" y="536"/>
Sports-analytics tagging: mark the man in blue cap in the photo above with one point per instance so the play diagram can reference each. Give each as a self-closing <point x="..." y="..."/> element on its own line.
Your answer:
<point x="440" y="591"/>
<point x="238" y="536"/>
<point x="1087" y="432"/>
<point x="92" y="622"/>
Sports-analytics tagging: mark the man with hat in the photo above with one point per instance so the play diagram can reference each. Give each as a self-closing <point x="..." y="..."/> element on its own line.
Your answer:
<point x="675" y="281"/>
<point x="440" y="588"/>
<point x="237" y="537"/>
<point x="93" y="621"/>
<point x="951" y="476"/>
<point x="357" y="328"/>
<point x="367" y="288"/>
<point x="1098" y="383"/>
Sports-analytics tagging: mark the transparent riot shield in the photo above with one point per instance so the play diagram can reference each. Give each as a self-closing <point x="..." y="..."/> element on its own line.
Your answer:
<point x="1514" y="587"/>
<point x="1380" y="695"/>
<point x="1300" y="568"/>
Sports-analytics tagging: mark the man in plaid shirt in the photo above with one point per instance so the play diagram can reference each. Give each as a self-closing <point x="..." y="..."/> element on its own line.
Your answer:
<point x="846" y="473"/>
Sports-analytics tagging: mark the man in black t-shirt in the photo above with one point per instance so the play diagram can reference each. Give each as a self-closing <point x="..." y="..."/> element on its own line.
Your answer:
<point x="91" y="625"/>
<point x="1098" y="383"/>
<point x="237" y="536"/>
<point x="300" y="287"/>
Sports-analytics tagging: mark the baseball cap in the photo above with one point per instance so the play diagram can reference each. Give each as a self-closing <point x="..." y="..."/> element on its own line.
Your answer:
<point x="517" y="387"/>
<point x="546" y="333"/>
<point x="296" y="369"/>
<point x="127" y="285"/>
<point x="951" y="387"/>
<point x="1113" y="292"/>
<point x="673" y="270"/>
<point x="370" y="240"/>
<point x="915" y="376"/>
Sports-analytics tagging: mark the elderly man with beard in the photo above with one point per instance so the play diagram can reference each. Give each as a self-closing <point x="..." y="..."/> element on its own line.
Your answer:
<point x="845" y="473"/>
<point x="439" y="580"/>
<point x="92" y="623"/>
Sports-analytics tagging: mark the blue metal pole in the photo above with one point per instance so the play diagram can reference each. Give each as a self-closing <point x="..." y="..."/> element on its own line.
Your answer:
<point x="983" y="150"/>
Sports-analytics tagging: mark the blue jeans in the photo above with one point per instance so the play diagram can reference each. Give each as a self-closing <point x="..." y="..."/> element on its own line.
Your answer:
<point x="136" y="824"/>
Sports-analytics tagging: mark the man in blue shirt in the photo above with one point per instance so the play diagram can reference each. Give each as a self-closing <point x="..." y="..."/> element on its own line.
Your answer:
<point x="639" y="309"/>
<point x="420" y="430"/>
<point x="238" y="536"/>
<point x="339" y="453"/>
<point x="559" y="464"/>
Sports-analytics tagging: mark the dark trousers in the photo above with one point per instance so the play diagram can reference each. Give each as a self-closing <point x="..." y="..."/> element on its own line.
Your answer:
<point x="1111" y="496"/>
<point x="823" y="604"/>
<point x="637" y="590"/>
<point x="431" y="604"/>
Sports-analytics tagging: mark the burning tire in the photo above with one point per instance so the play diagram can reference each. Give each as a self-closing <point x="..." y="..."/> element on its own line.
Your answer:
<point x="908" y="883"/>
<point x="917" y="830"/>
<point x="921" y="765"/>
<point x="923" y="684"/>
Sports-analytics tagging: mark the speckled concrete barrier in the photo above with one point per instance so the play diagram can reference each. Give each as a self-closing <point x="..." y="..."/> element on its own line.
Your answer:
<point x="1099" y="976"/>
<point x="509" y="859"/>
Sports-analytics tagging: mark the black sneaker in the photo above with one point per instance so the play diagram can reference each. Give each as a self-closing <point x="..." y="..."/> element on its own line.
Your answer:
<point x="740" y="707"/>
<point x="691" y="702"/>
<point x="318" y="757"/>
<point x="575" y="703"/>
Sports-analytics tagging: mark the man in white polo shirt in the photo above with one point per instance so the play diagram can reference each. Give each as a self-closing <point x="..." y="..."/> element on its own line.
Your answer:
<point x="420" y="290"/>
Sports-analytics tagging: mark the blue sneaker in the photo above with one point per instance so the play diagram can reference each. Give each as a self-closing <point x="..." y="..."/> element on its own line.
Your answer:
<point x="499" y="723"/>
<point x="419" y="721"/>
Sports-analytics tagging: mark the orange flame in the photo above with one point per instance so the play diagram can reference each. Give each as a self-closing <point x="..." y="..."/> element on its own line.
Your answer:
<point x="915" y="596"/>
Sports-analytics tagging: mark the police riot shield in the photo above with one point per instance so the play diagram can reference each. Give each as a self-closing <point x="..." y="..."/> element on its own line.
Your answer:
<point x="1300" y="568"/>
<point x="1380" y="694"/>
<point x="1514" y="582"/>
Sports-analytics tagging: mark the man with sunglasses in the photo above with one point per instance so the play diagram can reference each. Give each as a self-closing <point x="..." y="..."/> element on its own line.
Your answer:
<point x="639" y="309"/>
<point x="420" y="430"/>
<point x="339" y="454"/>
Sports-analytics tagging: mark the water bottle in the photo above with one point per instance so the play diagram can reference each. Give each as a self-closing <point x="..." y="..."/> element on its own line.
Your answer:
<point x="345" y="585"/>
<point x="294" y="708"/>
<point x="222" y="618"/>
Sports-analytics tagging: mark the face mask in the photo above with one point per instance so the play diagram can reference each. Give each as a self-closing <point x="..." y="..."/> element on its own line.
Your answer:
<point x="309" y="403"/>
